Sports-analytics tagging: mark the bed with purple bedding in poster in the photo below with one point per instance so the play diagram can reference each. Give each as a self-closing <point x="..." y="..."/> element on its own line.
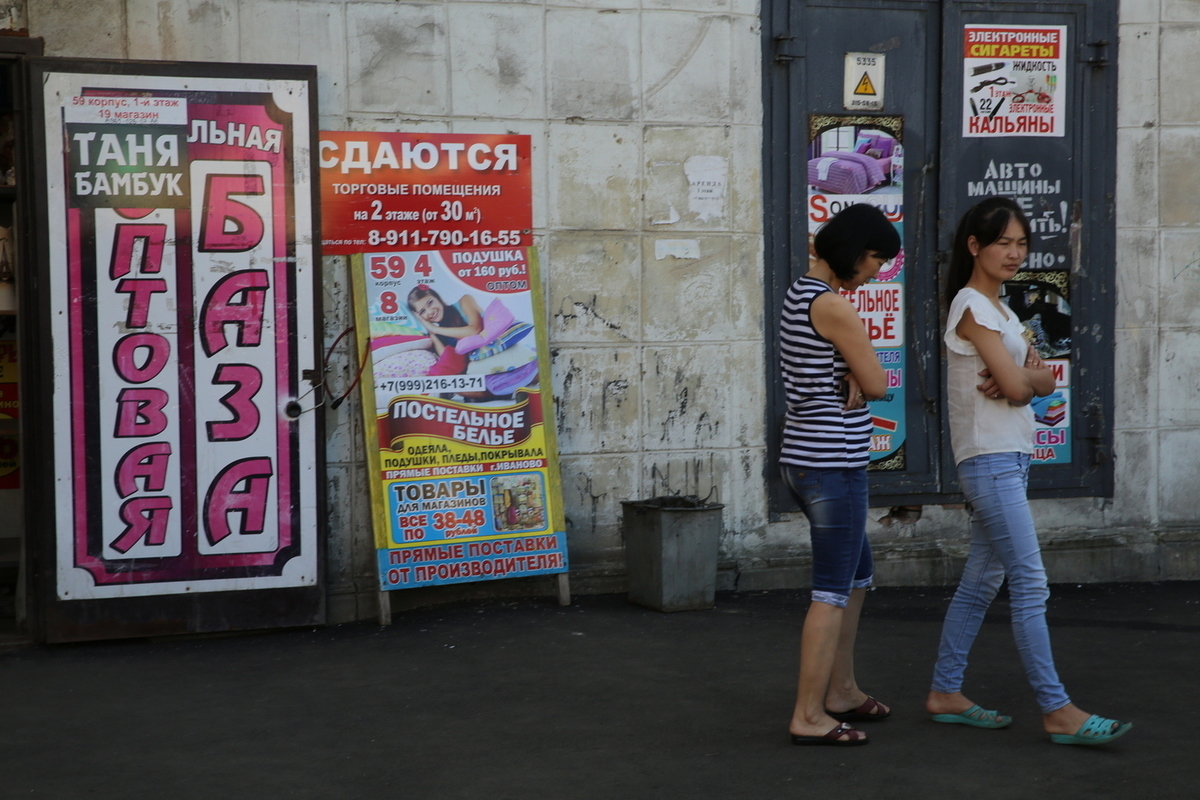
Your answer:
<point x="844" y="172"/>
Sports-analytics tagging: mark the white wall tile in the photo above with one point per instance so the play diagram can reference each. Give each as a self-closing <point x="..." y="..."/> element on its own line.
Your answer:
<point x="681" y="163"/>
<point x="1137" y="84"/>
<point x="595" y="177"/>
<point x="746" y="66"/>
<point x="1137" y="277"/>
<point x="686" y="67"/>
<point x="694" y="399"/>
<point x="1135" y="489"/>
<point x="593" y="489"/>
<point x="1137" y="177"/>
<point x="398" y="58"/>
<point x="1135" y="392"/>
<point x="1179" y="98"/>
<point x="582" y="268"/>
<point x="1179" y="278"/>
<point x="300" y="32"/>
<point x="183" y="30"/>
<point x="1179" y="402"/>
<point x="597" y="392"/>
<point x="1140" y="10"/>
<point x="1178" y="465"/>
<point x="592" y="64"/>
<point x="1179" y="11"/>
<point x="1179" y="173"/>
<point x="497" y="60"/>
<point x="72" y="30"/>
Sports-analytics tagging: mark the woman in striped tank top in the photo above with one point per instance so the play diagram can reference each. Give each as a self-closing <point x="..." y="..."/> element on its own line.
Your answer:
<point x="830" y="370"/>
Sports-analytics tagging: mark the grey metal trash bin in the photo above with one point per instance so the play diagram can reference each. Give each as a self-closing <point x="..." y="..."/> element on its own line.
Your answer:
<point x="671" y="551"/>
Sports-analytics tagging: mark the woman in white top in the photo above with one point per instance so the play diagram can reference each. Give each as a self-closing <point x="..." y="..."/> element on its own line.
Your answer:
<point x="993" y="374"/>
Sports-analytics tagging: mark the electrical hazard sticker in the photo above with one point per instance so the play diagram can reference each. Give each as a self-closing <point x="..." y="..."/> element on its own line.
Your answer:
<point x="863" y="82"/>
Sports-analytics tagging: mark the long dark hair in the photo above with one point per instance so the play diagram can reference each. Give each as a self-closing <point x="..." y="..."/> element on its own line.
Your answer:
<point x="986" y="221"/>
<point x="451" y="318"/>
<point x="851" y="234"/>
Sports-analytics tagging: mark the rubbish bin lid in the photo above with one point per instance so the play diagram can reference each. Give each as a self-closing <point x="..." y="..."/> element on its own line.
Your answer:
<point x="674" y="503"/>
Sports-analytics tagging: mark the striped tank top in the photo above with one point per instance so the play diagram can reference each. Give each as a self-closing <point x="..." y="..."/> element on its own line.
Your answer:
<point x="818" y="433"/>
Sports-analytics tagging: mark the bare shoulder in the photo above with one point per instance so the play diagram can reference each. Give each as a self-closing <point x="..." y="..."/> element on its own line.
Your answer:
<point x="833" y="302"/>
<point x="833" y="307"/>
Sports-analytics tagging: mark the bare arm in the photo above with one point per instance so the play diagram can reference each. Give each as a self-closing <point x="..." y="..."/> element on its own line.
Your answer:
<point x="1016" y="384"/>
<point x="835" y="318"/>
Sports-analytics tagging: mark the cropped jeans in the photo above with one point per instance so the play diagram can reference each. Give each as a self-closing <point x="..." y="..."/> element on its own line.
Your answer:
<point x="835" y="502"/>
<point x="1003" y="544"/>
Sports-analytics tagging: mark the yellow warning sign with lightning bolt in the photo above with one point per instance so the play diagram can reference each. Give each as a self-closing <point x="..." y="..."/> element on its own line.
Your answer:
<point x="862" y="82"/>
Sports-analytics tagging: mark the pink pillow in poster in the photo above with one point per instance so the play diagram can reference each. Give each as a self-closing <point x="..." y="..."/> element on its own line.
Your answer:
<point x="496" y="320"/>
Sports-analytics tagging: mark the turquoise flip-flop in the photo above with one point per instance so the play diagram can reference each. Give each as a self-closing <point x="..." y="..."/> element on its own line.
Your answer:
<point x="975" y="716"/>
<point x="1097" y="730"/>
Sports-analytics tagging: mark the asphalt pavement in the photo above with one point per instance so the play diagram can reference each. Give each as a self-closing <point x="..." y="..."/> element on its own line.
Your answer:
<point x="600" y="699"/>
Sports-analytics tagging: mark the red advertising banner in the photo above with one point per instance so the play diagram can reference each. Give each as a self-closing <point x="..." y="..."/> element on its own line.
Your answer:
<point x="184" y="275"/>
<point x="383" y="192"/>
<point x="457" y="413"/>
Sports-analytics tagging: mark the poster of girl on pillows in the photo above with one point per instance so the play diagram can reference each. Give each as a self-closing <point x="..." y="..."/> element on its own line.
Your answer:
<point x="464" y="474"/>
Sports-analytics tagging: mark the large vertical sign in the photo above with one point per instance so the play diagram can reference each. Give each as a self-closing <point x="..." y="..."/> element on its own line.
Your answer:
<point x="464" y="473"/>
<point x="181" y="271"/>
<point x="1015" y="86"/>
<point x="860" y="159"/>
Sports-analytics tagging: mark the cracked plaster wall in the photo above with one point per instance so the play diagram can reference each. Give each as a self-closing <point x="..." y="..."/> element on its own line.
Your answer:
<point x="654" y="300"/>
<point x="657" y="351"/>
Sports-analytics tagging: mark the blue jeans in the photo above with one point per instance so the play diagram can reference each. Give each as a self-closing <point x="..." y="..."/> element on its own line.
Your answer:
<point x="835" y="502"/>
<point x="1003" y="544"/>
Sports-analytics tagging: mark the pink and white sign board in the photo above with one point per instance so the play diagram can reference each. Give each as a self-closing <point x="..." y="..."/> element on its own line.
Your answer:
<point x="181" y="278"/>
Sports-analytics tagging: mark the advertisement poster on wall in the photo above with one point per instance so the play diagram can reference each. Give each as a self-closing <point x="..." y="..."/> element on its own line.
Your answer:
<point x="459" y="422"/>
<point x="860" y="159"/>
<point x="1040" y="294"/>
<point x="1014" y="80"/>
<point x="1016" y="74"/>
<point x="182" y="273"/>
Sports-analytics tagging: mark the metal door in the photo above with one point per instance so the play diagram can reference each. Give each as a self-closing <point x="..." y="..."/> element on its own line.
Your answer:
<point x="946" y="165"/>
<point x="1065" y="180"/>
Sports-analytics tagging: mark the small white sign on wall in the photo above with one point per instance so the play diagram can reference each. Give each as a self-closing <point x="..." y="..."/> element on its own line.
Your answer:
<point x="863" y="82"/>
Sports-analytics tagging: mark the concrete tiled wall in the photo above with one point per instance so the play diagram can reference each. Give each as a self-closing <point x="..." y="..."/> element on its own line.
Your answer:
<point x="1158" y="321"/>
<point x="655" y="302"/>
<point x="657" y="359"/>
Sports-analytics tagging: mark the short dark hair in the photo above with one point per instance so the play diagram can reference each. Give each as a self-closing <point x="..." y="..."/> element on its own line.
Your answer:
<point x="852" y="233"/>
<point x="986" y="221"/>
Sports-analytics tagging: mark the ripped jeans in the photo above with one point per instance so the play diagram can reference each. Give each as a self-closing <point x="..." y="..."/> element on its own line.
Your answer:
<point x="1003" y="544"/>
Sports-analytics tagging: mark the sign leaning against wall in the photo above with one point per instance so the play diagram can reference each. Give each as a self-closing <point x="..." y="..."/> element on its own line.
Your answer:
<point x="182" y="271"/>
<point x="459" y="423"/>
